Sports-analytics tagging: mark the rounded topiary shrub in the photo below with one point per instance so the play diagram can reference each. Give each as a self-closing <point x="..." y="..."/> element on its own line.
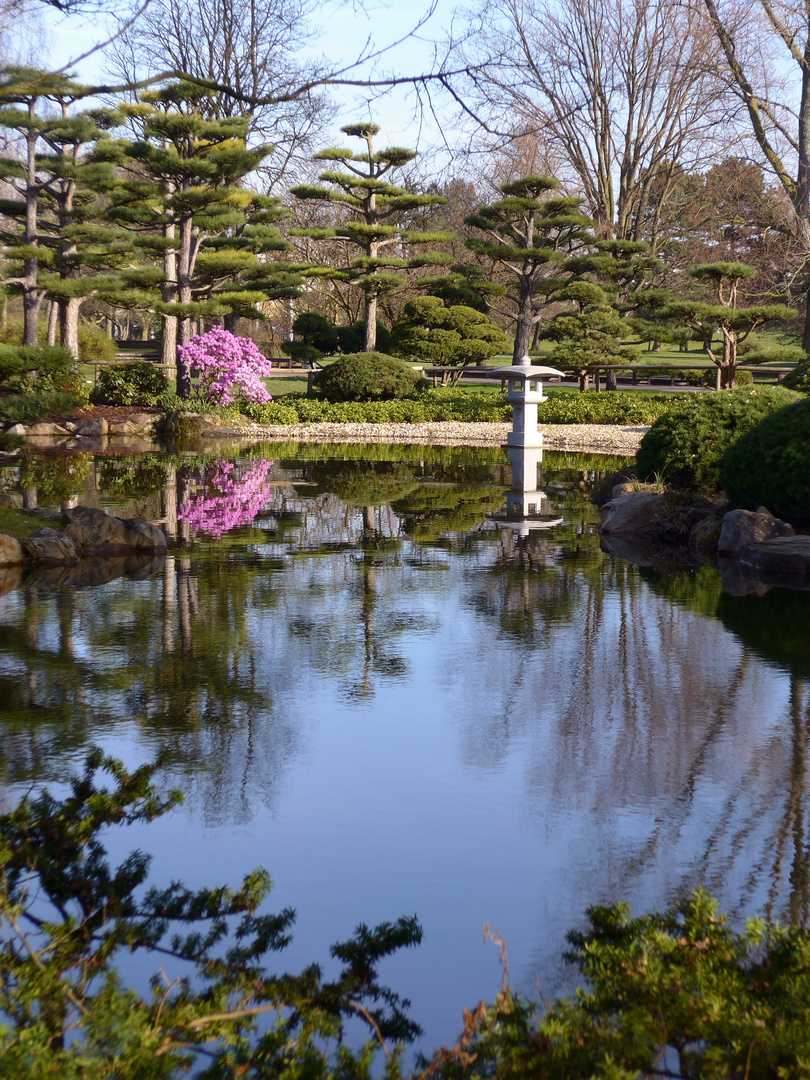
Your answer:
<point x="770" y="464"/>
<point x="685" y="445"/>
<point x="798" y="379"/>
<point x="367" y="376"/>
<point x="135" y="383"/>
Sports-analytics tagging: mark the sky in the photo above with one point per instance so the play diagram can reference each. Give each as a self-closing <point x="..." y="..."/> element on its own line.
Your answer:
<point x="348" y="31"/>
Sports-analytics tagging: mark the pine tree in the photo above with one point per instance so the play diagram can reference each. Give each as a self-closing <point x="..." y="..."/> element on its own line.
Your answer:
<point x="530" y="236"/>
<point x="186" y="202"/>
<point x="375" y="231"/>
<point x="54" y="236"/>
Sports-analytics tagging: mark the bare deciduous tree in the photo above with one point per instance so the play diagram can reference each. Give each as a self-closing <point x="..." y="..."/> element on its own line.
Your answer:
<point x="622" y="90"/>
<point x="247" y="46"/>
<point x="766" y="54"/>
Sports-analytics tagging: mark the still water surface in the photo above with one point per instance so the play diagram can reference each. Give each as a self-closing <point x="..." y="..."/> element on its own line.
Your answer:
<point x="376" y="689"/>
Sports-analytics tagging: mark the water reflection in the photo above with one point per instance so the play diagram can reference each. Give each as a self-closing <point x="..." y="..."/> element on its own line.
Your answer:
<point x="399" y="704"/>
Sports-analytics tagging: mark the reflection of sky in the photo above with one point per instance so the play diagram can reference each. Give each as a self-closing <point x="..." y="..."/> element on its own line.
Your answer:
<point x="504" y="771"/>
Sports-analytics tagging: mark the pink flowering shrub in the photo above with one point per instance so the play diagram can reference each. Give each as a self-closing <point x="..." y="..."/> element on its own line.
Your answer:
<point x="228" y="367"/>
<point x="231" y="495"/>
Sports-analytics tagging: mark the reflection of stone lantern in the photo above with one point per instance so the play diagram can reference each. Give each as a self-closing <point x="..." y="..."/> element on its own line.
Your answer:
<point x="524" y="392"/>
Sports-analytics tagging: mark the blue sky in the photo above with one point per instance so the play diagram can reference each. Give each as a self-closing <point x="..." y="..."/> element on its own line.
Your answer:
<point x="347" y="31"/>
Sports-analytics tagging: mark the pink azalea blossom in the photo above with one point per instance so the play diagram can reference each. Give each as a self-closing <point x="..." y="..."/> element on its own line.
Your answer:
<point x="230" y="496"/>
<point x="226" y="364"/>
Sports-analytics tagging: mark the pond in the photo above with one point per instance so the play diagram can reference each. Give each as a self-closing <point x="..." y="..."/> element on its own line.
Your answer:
<point x="379" y="689"/>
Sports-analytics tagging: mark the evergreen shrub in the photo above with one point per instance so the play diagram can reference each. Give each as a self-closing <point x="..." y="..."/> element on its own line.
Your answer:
<point x="32" y="407"/>
<point x="686" y="444"/>
<point x="366" y="376"/>
<point x="769" y="465"/>
<point x="798" y="379"/>
<point x="135" y="383"/>
<point x="40" y="370"/>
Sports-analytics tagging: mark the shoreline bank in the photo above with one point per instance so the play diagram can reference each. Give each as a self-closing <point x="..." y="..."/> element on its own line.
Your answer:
<point x="596" y="438"/>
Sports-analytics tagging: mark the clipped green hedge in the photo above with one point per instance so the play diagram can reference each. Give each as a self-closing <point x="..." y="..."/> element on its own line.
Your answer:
<point x="685" y="446"/>
<point x="770" y="464"/>
<point x="439" y="404"/>
<point x="592" y="407"/>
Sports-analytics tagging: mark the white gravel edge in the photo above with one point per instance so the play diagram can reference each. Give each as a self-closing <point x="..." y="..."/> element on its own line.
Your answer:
<point x="597" y="438"/>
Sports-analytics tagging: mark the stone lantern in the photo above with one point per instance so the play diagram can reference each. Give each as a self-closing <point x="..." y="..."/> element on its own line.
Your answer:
<point x="524" y="392"/>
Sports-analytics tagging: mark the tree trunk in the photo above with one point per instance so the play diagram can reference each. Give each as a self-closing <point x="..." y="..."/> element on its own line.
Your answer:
<point x="370" y="340"/>
<point x="69" y="324"/>
<point x="53" y="322"/>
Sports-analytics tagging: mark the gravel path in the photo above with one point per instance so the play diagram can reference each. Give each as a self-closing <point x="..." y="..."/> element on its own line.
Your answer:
<point x="597" y="438"/>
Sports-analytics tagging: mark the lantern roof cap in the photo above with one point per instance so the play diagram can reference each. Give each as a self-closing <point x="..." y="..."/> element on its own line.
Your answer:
<point x="525" y="370"/>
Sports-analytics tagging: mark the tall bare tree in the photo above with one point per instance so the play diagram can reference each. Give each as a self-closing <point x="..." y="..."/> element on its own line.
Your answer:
<point x="766" y="60"/>
<point x="621" y="90"/>
<point x="250" y="47"/>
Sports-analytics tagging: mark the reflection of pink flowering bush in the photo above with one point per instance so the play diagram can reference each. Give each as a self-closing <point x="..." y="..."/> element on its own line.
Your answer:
<point x="226" y="364"/>
<point x="231" y="496"/>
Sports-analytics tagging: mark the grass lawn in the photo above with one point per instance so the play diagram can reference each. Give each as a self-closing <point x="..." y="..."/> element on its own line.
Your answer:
<point x="18" y="523"/>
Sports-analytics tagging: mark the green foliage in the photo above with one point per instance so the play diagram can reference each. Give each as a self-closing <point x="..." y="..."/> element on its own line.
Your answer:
<point x="135" y="383"/>
<point x="368" y="376"/>
<point x="590" y="407"/>
<point x="33" y="407"/>
<point x="65" y="1009"/>
<point x="439" y="404"/>
<point x="320" y="337"/>
<point x="94" y="345"/>
<point x="731" y="1005"/>
<point x="39" y="372"/>
<point x="196" y="403"/>
<point x="769" y="465"/>
<point x="798" y="379"/>
<point x="131" y="477"/>
<point x="434" y="333"/>
<point x="685" y="446"/>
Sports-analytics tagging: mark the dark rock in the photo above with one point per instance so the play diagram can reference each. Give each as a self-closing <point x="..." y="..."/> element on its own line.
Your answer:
<point x="705" y="534"/>
<point x="91" y="428"/>
<point x="49" y="546"/>
<point x="742" y="528"/>
<point x="636" y="513"/>
<point x="787" y="556"/>
<point x="92" y="529"/>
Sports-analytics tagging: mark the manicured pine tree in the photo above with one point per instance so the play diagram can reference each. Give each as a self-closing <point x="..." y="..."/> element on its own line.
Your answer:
<point x="722" y="314"/>
<point x="53" y="237"/>
<point x="186" y="201"/>
<point x="375" y="231"/>
<point x="616" y="279"/>
<point x="529" y="236"/>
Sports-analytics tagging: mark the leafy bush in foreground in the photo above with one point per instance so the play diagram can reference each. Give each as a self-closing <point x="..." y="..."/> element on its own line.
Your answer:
<point x="685" y="445"/>
<point x="366" y="376"/>
<point x="726" y="1004"/>
<point x="135" y="383"/>
<point x="770" y="464"/>
<point x="64" y="1009"/>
